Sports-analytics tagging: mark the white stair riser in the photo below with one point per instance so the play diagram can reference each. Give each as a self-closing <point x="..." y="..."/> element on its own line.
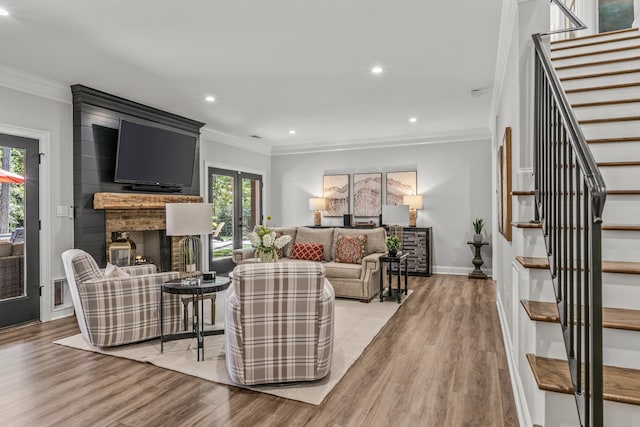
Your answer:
<point x="621" y="246"/>
<point x="621" y="177"/>
<point x="600" y="38"/>
<point x="601" y="68"/>
<point x="611" y="130"/>
<point x="621" y="348"/>
<point x="615" y="151"/>
<point x="540" y="287"/>
<point x="621" y="209"/>
<point x="607" y="111"/>
<point x="528" y="242"/>
<point x="592" y="58"/>
<point x="604" y="95"/>
<point x="523" y="209"/>
<point x="575" y="50"/>
<point x="601" y="81"/>
<point x="560" y="412"/>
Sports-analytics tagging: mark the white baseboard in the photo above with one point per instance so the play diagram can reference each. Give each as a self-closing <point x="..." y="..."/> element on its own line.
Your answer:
<point x="458" y="271"/>
<point x="524" y="417"/>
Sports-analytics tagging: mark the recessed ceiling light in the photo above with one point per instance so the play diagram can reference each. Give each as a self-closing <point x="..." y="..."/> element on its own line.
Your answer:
<point x="376" y="70"/>
<point x="210" y="98"/>
<point x="292" y="132"/>
<point x="4" y="12"/>
<point x="413" y="120"/>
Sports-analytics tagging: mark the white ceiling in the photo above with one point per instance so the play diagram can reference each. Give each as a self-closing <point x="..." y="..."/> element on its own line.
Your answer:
<point x="272" y="65"/>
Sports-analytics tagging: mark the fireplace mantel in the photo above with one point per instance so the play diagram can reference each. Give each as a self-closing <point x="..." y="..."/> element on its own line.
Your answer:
<point x="139" y="201"/>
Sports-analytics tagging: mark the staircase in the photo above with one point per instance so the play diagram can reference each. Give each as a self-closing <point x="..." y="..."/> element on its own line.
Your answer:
<point x="600" y="75"/>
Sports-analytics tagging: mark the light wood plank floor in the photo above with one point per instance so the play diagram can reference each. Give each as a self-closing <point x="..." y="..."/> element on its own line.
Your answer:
<point x="440" y="361"/>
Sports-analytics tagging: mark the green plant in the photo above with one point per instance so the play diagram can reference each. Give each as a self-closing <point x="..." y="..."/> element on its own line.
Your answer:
<point x="478" y="225"/>
<point x="393" y="243"/>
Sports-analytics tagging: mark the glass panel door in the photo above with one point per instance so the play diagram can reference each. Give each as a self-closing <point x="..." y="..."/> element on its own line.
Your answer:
<point x="237" y="200"/>
<point x="19" y="236"/>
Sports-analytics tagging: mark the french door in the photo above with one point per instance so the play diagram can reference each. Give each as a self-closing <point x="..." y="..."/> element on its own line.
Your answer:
<point x="237" y="209"/>
<point x="19" y="231"/>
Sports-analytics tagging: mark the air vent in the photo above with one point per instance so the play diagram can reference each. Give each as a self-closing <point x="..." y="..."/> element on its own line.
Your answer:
<point x="256" y="136"/>
<point x="59" y="285"/>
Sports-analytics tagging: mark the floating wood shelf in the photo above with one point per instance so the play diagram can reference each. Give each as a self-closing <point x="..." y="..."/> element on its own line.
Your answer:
<point x="139" y="201"/>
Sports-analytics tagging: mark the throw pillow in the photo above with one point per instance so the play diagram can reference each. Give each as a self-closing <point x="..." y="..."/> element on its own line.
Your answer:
<point x="113" y="271"/>
<point x="308" y="251"/>
<point x="351" y="249"/>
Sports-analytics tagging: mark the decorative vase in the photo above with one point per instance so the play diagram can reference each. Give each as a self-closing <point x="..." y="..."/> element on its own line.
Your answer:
<point x="393" y="252"/>
<point x="477" y="238"/>
<point x="267" y="255"/>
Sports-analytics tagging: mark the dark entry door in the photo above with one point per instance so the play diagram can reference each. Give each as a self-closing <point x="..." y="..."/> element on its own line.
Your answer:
<point x="19" y="231"/>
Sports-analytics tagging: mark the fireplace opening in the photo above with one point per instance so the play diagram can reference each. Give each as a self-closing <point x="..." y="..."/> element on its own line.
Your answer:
<point x="140" y="247"/>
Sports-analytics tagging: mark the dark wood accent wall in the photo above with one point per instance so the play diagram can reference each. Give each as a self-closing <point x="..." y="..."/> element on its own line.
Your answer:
<point x="96" y="118"/>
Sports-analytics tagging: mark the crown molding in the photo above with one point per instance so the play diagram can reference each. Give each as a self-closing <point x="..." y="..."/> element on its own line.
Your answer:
<point x="22" y="81"/>
<point x="384" y="142"/>
<point x="234" y="141"/>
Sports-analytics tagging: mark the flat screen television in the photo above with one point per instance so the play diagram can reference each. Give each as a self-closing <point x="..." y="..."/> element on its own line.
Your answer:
<point x="154" y="156"/>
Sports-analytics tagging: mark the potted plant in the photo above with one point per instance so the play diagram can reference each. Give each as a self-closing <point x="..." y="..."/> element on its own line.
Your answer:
<point x="478" y="225"/>
<point x="393" y="244"/>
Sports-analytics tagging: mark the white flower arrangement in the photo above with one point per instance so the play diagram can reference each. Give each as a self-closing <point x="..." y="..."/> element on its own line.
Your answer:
<point x="266" y="243"/>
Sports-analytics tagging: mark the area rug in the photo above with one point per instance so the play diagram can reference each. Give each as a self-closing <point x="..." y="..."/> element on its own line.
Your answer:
<point x="356" y="325"/>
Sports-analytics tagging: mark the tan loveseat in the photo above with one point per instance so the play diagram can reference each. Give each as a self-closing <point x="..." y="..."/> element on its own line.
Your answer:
<point x="359" y="281"/>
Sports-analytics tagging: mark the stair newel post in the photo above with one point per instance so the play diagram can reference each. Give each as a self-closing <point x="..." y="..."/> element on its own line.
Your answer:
<point x="595" y="319"/>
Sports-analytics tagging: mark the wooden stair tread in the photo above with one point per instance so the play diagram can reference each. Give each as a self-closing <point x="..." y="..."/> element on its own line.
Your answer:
<point x="618" y="164"/>
<point x="622" y="267"/>
<point x="613" y="140"/>
<point x="593" y="36"/>
<point x="595" y="43"/>
<point x="604" y="103"/>
<point x="603" y="74"/>
<point x="523" y="193"/>
<point x="620" y="384"/>
<point x="596" y="63"/>
<point x="612" y="318"/>
<point x="623" y="192"/>
<point x="597" y="52"/>
<point x="607" y="227"/>
<point x="610" y="120"/>
<point x="606" y="87"/>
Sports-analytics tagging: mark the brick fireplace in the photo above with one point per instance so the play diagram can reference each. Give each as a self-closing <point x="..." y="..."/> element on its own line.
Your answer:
<point x="132" y="212"/>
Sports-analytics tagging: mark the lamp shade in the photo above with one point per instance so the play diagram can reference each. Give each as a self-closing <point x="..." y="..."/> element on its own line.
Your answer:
<point x="395" y="215"/>
<point x="317" y="204"/>
<point x="414" y="202"/>
<point x="187" y="219"/>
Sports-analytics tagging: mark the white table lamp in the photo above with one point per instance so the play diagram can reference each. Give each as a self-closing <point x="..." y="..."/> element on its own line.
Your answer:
<point x="189" y="220"/>
<point x="317" y="204"/>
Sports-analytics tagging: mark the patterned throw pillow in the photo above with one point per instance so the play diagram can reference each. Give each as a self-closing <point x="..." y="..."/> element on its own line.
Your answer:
<point x="351" y="249"/>
<point x="308" y="251"/>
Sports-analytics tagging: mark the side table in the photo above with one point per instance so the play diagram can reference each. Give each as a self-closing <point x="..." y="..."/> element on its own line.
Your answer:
<point x="197" y="291"/>
<point x="477" y="261"/>
<point x="399" y="259"/>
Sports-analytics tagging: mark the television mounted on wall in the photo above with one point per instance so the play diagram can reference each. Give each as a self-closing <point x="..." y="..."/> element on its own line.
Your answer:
<point x="154" y="158"/>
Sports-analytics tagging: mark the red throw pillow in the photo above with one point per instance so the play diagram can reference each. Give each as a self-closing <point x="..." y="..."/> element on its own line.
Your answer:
<point x="308" y="251"/>
<point x="351" y="249"/>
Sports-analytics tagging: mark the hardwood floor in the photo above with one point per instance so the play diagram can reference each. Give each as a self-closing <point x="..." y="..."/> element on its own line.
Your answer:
<point x="439" y="361"/>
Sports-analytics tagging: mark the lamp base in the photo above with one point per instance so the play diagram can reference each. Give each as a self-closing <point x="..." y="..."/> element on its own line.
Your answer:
<point x="317" y="218"/>
<point x="413" y="216"/>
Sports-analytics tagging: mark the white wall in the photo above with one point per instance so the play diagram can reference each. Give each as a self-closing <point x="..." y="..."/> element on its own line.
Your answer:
<point x="50" y="121"/>
<point x="454" y="179"/>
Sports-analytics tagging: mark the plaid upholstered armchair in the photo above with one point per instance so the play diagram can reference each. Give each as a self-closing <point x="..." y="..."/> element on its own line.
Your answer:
<point x="279" y="323"/>
<point x="119" y="310"/>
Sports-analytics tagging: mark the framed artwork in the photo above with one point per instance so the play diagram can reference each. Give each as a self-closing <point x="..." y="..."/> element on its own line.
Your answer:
<point x="367" y="194"/>
<point x="614" y="15"/>
<point x="335" y="189"/>
<point x="504" y="155"/>
<point x="400" y="184"/>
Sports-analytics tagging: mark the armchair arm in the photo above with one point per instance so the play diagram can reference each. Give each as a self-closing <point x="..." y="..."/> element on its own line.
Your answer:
<point x="139" y="270"/>
<point x="240" y="255"/>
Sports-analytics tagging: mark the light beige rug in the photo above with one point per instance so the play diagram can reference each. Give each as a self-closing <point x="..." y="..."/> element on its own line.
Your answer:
<point x="356" y="325"/>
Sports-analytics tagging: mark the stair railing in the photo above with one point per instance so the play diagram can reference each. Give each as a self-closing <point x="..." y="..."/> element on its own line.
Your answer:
<point x="569" y="196"/>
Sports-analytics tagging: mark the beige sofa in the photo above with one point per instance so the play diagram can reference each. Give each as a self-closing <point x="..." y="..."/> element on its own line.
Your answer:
<point x="359" y="281"/>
